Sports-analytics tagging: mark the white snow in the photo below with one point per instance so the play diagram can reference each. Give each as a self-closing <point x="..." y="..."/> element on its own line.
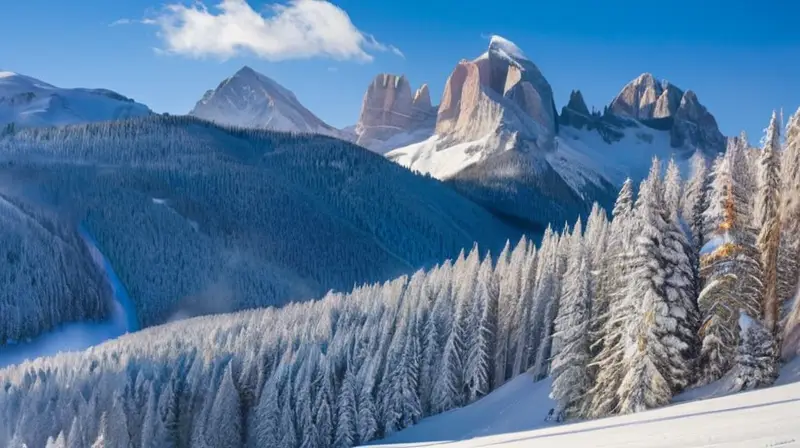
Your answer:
<point x="433" y="156"/>
<point x="506" y="47"/>
<point x="252" y="100"/>
<point x="77" y="336"/>
<point x="513" y="416"/>
<point x="28" y="101"/>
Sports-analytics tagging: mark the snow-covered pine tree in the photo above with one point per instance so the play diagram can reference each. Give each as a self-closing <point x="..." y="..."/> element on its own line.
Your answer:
<point x="521" y="327"/>
<point x="346" y="434"/>
<point x="323" y="412"/>
<point x="571" y="379"/>
<point x="478" y="364"/>
<point x="673" y="190"/>
<point x="226" y="414"/>
<point x="366" y="410"/>
<point x="288" y="428"/>
<point x="267" y="413"/>
<point x="730" y="269"/>
<point x="755" y="357"/>
<point x="510" y="287"/>
<point x="789" y="264"/>
<point x="608" y="312"/>
<point x="656" y="357"/>
<point x="768" y="221"/>
<point x="58" y="442"/>
<point x="695" y="202"/>
<point x="546" y="302"/>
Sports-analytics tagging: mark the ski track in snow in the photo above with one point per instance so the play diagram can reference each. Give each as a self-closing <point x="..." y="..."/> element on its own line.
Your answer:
<point x="77" y="336"/>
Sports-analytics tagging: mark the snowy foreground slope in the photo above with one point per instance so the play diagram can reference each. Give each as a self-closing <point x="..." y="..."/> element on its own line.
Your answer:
<point x="513" y="416"/>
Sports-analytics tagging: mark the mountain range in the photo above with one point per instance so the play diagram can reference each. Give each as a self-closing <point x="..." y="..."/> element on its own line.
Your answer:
<point x="495" y="137"/>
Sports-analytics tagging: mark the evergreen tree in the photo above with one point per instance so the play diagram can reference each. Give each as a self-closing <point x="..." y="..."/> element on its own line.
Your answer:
<point x="768" y="220"/>
<point x="478" y="364"/>
<point x="755" y="358"/>
<point x="571" y="378"/>
<point x="346" y="434"/>
<point x="610" y="312"/>
<point x="656" y="358"/>
<point x="695" y="201"/>
<point x="789" y="272"/>
<point x="58" y="442"/>
<point x="673" y="190"/>
<point x="226" y="416"/>
<point x="730" y="269"/>
<point x="546" y="302"/>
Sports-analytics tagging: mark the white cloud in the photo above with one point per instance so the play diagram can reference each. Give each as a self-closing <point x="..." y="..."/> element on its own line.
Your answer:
<point x="295" y="30"/>
<point x="121" y="22"/>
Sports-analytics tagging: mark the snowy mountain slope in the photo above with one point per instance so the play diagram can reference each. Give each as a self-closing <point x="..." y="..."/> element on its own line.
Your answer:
<point x="27" y="101"/>
<point x="513" y="416"/>
<point x="198" y="219"/>
<point x="250" y="99"/>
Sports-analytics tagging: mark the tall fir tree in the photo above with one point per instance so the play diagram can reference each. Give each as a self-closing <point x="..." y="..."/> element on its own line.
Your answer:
<point x="789" y="255"/>
<point x="571" y="377"/>
<point x="768" y="221"/>
<point x="730" y="268"/>
<point x="609" y="313"/>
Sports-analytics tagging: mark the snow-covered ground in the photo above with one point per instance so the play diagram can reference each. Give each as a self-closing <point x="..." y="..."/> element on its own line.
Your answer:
<point x="80" y="335"/>
<point x="513" y="416"/>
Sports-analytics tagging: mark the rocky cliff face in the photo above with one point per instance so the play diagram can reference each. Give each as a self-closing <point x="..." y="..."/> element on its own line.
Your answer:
<point x="662" y="105"/>
<point x="575" y="113"/>
<point x="495" y="141"/>
<point x="391" y="112"/>
<point x="500" y="91"/>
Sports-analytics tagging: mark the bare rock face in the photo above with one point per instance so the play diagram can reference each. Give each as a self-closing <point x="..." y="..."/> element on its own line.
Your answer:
<point x="390" y="109"/>
<point x="694" y="125"/>
<point x="499" y="91"/>
<point x="662" y="105"/>
<point x="575" y="113"/>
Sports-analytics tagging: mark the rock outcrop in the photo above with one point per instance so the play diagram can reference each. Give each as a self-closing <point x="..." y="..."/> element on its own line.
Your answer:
<point x="495" y="142"/>
<point x="575" y="113"/>
<point x="390" y="112"/>
<point x="662" y="105"/>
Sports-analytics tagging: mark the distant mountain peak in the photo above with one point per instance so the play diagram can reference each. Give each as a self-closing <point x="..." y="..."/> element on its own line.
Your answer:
<point x="650" y="100"/>
<point x="28" y="101"/>
<point x="253" y="100"/>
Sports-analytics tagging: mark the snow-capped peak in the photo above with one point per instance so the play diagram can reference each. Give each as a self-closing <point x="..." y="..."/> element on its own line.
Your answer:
<point x="504" y="46"/>
<point x="253" y="100"/>
<point x="27" y="101"/>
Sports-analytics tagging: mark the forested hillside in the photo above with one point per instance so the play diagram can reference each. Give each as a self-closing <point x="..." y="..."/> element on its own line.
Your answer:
<point x="198" y="219"/>
<point x="621" y="315"/>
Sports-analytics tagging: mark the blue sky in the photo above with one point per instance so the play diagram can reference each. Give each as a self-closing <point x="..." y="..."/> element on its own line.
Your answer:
<point x="742" y="58"/>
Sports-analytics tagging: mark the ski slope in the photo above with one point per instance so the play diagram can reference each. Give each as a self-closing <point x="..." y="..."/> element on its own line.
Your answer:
<point x="513" y="416"/>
